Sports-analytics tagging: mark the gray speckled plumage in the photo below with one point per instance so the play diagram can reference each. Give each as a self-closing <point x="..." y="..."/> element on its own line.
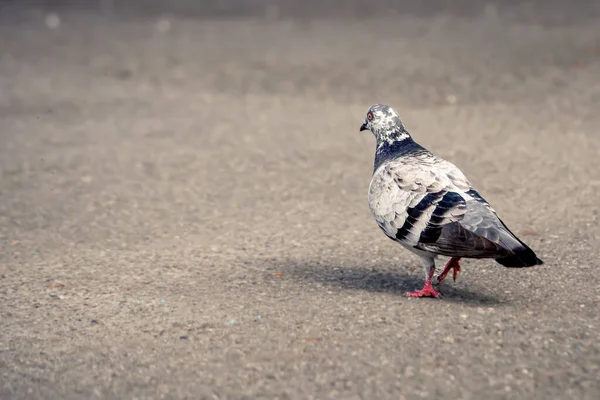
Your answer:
<point x="427" y="204"/>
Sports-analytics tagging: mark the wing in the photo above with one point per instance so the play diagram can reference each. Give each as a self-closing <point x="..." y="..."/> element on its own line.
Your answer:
<point x="479" y="233"/>
<point x="408" y="195"/>
<point x="431" y="206"/>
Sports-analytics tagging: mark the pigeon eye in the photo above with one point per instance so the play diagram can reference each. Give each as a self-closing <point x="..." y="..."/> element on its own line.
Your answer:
<point x="370" y="117"/>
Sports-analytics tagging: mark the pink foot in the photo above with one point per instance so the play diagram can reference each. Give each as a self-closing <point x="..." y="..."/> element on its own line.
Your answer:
<point x="451" y="265"/>
<point x="427" y="291"/>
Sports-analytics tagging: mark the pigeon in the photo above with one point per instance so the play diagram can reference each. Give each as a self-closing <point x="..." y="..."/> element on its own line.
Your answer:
<point x="426" y="204"/>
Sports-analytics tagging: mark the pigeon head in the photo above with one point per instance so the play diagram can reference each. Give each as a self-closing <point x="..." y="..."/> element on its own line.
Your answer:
<point x="385" y="124"/>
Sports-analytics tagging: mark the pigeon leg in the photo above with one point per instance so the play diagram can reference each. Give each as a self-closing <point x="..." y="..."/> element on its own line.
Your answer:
<point x="428" y="290"/>
<point x="451" y="265"/>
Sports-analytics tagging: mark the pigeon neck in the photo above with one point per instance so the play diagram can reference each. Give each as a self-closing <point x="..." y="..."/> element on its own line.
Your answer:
<point x="391" y="135"/>
<point x="391" y="149"/>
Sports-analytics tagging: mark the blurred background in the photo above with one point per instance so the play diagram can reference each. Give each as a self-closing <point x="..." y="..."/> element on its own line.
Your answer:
<point x="183" y="198"/>
<point x="552" y="10"/>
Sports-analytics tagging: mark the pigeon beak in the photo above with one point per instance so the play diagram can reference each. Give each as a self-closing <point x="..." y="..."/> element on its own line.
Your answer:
<point x="363" y="127"/>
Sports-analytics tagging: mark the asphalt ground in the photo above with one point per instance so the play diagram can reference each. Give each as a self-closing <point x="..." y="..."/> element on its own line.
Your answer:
<point x="183" y="206"/>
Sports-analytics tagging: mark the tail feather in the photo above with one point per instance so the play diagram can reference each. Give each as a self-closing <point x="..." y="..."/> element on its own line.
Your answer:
<point x="522" y="255"/>
<point x="523" y="258"/>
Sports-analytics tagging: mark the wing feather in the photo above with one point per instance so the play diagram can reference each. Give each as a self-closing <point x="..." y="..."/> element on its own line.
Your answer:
<point x="404" y="197"/>
<point x="427" y="203"/>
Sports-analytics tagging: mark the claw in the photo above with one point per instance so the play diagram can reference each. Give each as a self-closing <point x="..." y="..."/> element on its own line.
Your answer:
<point x="451" y="265"/>
<point x="427" y="291"/>
<point x="455" y="271"/>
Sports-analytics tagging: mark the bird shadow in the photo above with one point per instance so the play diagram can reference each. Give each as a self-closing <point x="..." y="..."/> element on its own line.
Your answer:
<point x="376" y="279"/>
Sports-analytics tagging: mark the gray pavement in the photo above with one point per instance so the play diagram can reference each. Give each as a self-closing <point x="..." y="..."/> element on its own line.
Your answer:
<point x="183" y="205"/>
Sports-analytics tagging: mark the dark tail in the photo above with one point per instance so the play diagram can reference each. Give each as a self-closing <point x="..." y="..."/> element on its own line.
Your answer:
<point x="522" y="258"/>
<point x="522" y="255"/>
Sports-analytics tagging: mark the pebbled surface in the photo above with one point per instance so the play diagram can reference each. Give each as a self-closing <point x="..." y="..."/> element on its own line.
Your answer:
<point x="183" y="214"/>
